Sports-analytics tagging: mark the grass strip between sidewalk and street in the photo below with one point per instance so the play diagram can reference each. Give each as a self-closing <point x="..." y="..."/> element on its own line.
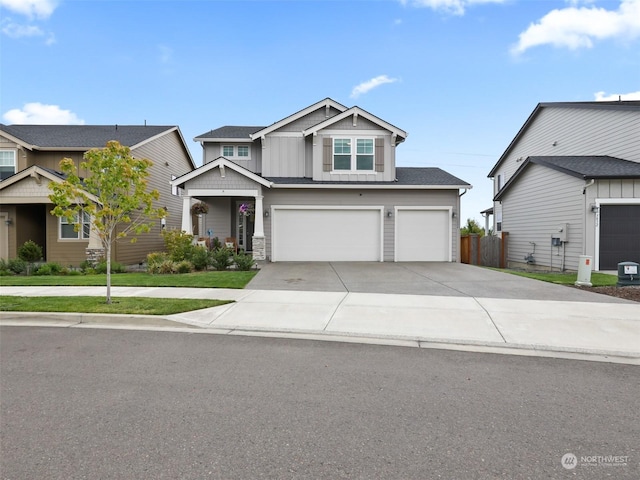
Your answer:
<point x="118" y="305"/>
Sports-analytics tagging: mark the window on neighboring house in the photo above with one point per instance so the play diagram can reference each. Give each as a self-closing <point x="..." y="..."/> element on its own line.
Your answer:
<point x="7" y="163"/>
<point x="68" y="229"/>
<point x="345" y="158"/>
<point x="500" y="181"/>
<point x="227" y="150"/>
<point x="243" y="151"/>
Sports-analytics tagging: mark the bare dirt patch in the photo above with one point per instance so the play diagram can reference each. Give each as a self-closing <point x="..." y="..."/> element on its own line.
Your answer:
<point x="628" y="293"/>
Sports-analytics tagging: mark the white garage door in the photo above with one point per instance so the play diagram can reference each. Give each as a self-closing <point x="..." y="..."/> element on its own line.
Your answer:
<point x="326" y="234"/>
<point x="423" y="235"/>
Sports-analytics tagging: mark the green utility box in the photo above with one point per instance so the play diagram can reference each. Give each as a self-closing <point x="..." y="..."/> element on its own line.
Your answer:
<point x="628" y="274"/>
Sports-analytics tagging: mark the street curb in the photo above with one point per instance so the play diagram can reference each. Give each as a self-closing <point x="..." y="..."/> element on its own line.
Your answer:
<point x="153" y="323"/>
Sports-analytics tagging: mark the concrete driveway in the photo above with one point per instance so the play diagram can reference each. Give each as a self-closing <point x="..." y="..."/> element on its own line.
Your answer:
<point x="421" y="278"/>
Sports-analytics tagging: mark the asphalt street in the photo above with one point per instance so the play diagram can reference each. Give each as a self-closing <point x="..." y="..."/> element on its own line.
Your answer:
<point x="89" y="403"/>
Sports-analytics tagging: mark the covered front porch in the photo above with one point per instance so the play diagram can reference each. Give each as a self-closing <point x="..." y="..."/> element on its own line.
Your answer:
<point x="234" y="199"/>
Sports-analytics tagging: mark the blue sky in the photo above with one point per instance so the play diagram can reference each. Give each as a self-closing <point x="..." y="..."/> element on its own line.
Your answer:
<point x="460" y="76"/>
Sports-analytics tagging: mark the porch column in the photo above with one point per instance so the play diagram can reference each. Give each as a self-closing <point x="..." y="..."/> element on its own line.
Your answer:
<point x="186" y="215"/>
<point x="259" y="247"/>
<point x="94" y="250"/>
<point x="258" y="228"/>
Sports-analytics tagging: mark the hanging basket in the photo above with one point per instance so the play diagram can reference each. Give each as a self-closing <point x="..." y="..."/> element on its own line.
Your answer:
<point x="199" y="208"/>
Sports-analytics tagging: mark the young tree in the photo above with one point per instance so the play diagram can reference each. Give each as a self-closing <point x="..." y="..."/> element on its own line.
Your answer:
<point x="472" y="226"/>
<point x="114" y="196"/>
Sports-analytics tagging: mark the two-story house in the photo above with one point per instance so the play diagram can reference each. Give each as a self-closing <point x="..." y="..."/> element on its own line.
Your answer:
<point x="29" y="160"/>
<point x="322" y="185"/>
<point x="568" y="185"/>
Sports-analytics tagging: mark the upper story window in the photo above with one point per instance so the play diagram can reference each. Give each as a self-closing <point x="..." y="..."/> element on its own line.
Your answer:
<point x="360" y="158"/>
<point x="68" y="229"/>
<point x="236" y="151"/>
<point x="7" y="163"/>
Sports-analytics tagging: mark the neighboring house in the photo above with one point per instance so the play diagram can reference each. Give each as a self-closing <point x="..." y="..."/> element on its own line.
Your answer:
<point x="569" y="185"/>
<point x="322" y="185"/>
<point x="29" y="160"/>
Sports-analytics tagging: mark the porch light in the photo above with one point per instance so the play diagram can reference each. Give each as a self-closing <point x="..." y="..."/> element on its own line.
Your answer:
<point x="266" y="213"/>
<point x="389" y="213"/>
<point x="8" y="222"/>
<point x="595" y="208"/>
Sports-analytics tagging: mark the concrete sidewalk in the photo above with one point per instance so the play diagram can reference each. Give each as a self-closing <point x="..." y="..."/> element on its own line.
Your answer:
<point x="592" y="330"/>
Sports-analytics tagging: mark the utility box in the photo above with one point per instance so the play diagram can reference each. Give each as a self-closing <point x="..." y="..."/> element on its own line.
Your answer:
<point x="559" y="236"/>
<point x="584" y="272"/>
<point x="628" y="274"/>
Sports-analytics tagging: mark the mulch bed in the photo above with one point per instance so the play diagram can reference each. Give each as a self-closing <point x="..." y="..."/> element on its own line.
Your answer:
<point x="628" y="293"/>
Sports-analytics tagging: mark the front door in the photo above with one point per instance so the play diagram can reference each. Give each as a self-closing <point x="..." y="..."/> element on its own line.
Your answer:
<point x="245" y="222"/>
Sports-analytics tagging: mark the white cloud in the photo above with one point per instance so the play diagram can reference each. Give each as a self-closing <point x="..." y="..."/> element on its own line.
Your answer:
<point x="603" y="97"/>
<point x="40" y="114"/>
<point x="365" y="87"/>
<point x="31" y="8"/>
<point x="454" y="7"/>
<point x="575" y="28"/>
<point x="15" y="30"/>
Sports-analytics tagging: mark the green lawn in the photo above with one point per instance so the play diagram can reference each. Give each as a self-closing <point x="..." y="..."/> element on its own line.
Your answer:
<point x="225" y="279"/>
<point x="597" y="279"/>
<point x="119" y="305"/>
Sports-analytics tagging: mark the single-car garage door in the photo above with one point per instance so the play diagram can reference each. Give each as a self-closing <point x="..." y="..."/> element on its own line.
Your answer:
<point x="423" y="235"/>
<point x="326" y="234"/>
<point x="619" y="235"/>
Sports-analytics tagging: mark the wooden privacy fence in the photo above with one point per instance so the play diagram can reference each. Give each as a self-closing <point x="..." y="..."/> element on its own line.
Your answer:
<point x="488" y="251"/>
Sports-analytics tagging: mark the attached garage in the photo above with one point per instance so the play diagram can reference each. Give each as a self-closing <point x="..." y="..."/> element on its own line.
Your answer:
<point x="619" y="235"/>
<point x="423" y="234"/>
<point x="326" y="233"/>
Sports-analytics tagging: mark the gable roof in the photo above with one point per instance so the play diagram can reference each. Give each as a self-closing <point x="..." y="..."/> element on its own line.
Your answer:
<point x="222" y="163"/>
<point x="596" y="167"/>
<point x="327" y="103"/>
<point x="37" y="173"/>
<point x="619" y="105"/>
<point x="406" y="178"/>
<point x="229" y="132"/>
<point x="357" y="111"/>
<point x="81" y="137"/>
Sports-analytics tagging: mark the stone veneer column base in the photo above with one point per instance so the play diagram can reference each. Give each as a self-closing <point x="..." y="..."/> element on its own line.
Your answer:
<point x="259" y="248"/>
<point x="94" y="255"/>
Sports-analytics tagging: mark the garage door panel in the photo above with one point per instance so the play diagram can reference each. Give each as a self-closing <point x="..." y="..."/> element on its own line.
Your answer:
<point x="423" y="236"/>
<point x="327" y="235"/>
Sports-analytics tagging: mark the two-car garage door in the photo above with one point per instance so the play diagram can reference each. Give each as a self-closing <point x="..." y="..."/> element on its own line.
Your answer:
<point x="327" y="234"/>
<point x="344" y="233"/>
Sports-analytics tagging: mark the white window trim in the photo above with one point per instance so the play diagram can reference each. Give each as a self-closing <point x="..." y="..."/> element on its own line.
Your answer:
<point x="354" y="153"/>
<point x="15" y="158"/>
<point x="80" y="233"/>
<point x="222" y="147"/>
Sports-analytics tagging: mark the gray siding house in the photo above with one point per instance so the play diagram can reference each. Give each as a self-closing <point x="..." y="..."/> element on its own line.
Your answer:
<point x="29" y="160"/>
<point x="322" y="185"/>
<point x="569" y="185"/>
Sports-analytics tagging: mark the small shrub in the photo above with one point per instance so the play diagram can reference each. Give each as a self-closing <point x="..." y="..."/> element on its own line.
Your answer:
<point x="4" y="267"/>
<point x="154" y="259"/>
<point x="50" y="268"/>
<point x="179" y="244"/>
<point x="116" y="267"/>
<point x="17" y="265"/>
<point x="166" y="267"/>
<point x="74" y="273"/>
<point x="86" y="266"/>
<point x="30" y="251"/>
<point x="243" y="261"/>
<point x="221" y="259"/>
<point x="185" y="266"/>
<point x="215" y="243"/>
<point x="200" y="258"/>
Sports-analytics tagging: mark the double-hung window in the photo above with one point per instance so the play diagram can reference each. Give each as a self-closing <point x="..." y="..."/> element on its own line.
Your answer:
<point x="68" y="229"/>
<point x="227" y="151"/>
<point x="243" y="151"/>
<point x="7" y="163"/>
<point x="354" y="154"/>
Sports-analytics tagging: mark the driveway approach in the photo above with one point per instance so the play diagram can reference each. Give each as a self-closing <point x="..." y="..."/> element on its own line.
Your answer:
<point x="425" y="278"/>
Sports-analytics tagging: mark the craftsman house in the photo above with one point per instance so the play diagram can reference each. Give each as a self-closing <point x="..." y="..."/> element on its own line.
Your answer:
<point x="29" y="160"/>
<point x="569" y="185"/>
<point x="322" y="185"/>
